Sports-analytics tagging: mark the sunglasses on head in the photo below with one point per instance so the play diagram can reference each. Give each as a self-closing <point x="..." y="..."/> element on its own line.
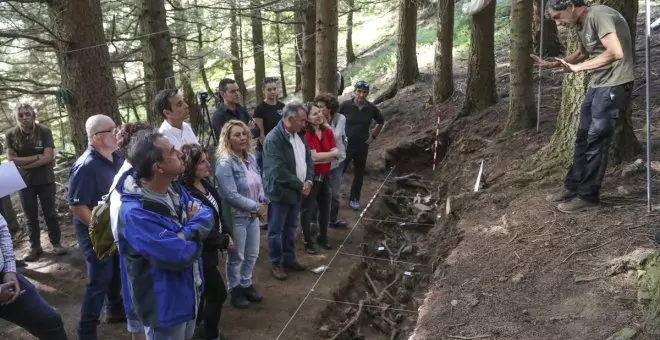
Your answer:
<point x="362" y="85"/>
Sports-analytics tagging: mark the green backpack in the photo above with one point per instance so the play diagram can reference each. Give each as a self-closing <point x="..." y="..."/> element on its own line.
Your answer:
<point x="100" y="229"/>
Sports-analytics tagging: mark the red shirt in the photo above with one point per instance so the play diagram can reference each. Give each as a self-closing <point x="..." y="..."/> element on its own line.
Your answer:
<point x="325" y="144"/>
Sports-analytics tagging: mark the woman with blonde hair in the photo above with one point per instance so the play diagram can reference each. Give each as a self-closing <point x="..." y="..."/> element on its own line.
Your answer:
<point x="240" y="186"/>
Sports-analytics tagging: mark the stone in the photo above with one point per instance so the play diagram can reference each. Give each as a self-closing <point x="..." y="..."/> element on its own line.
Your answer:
<point x="622" y="190"/>
<point x="324" y="331"/>
<point x="525" y="312"/>
<point x="623" y="334"/>
<point x="517" y="278"/>
<point x="502" y="279"/>
<point x="633" y="168"/>
<point x="454" y="303"/>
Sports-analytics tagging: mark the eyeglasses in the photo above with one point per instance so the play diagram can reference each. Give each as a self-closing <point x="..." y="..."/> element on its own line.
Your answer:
<point x="113" y="130"/>
<point x="363" y="85"/>
<point x="25" y="114"/>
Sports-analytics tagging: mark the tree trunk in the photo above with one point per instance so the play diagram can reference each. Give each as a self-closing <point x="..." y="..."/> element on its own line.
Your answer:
<point x="179" y="25"/>
<point x="407" y="70"/>
<point x="236" y="65"/>
<point x="258" y="49"/>
<point x="298" y="51"/>
<point x="559" y="154"/>
<point x="522" y="113"/>
<point x="156" y="53"/>
<point x="350" y="54"/>
<point x="278" y="18"/>
<point x="625" y="145"/>
<point x="443" y="78"/>
<point x="85" y="70"/>
<point x="551" y="44"/>
<point x="480" y="90"/>
<point x="309" y="50"/>
<point x="406" y="54"/>
<point x="326" y="46"/>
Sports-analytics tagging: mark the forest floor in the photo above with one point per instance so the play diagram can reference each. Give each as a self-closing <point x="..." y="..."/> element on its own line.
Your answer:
<point x="504" y="263"/>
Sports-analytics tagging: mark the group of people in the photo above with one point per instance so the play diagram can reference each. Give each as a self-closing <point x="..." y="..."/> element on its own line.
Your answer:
<point x="171" y="215"/>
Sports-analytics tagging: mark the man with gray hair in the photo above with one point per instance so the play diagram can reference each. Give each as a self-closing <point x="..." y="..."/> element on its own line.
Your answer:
<point x="287" y="177"/>
<point x="89" y="180"/>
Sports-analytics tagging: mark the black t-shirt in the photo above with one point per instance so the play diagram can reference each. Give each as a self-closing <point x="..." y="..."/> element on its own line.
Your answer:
<point x="26" y="145"/>
<point x="358" y="120"/>
<point x="271" y="114"/>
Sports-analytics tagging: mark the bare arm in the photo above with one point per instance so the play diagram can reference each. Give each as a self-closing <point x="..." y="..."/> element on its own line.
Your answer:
<point x="20" y="161"/>
<point x="575" y="57"/>
<point x="376" y="130"/>
<point x="613" y="52"/>
<point x="45" y="158"/>
<point x="83" y="213"/>
<point x="260" y="124"/>
<point x="322" y="157"/>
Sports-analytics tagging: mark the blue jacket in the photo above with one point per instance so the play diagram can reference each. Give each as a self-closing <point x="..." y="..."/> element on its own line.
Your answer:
<point x="281" y="183"/>
<point x="160" y="255"/>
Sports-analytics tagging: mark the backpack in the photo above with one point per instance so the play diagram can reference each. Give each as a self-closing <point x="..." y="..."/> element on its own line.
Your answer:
<point x="100" y="230"/>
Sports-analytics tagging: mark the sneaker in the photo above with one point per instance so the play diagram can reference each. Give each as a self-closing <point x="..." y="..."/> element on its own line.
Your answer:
<point x="354" y="204"/>
<point x="576" y="205"/>
<point x="238" y="298"/>
<point x="252" y="294"/>
<point x="59" y="250"/>
<point x="20" y="264"/>
<point x="33" y="255"/>
<point x="295" y="266"/>
<point x="339" y="224"/>
<point x="563" y="196"/>
<point x="309" y="249"/>
<point x="278" y="272"/>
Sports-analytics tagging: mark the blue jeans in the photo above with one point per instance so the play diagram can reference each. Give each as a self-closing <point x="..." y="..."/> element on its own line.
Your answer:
<point x="104" y="287"/>
<point x="182" y="331"/>
<point x="31" y="312"/>
<point x="337" y="175"/>
<point x="282" y="224"/>
<point x="241" y="259"/>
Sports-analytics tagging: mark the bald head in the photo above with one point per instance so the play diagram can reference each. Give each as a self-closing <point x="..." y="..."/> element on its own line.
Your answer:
<point x="98" y="123"/>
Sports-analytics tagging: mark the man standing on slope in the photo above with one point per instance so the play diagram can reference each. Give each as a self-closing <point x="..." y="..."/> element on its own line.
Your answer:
<point x="607" y="53"/>
<point x="359" y="113"/>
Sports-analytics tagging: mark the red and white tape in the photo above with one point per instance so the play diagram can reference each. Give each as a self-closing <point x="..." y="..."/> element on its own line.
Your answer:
<point x="437" y="138"/>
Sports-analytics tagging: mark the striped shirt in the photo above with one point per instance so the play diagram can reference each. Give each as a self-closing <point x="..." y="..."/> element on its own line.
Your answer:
<point x="7" y="257"/>
<point x="213" y="202"/>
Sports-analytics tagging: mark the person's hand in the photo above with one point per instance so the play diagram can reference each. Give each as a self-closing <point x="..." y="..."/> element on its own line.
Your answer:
<point x="545" y="63"/>
<point x="230" y="245"/>
<point x="262" y="210"/>
<point x="14" y="287"/>
<point x="193" y="209"/>
<point x="6" y="292"/>
<point x="307" y="188"/>
<point x="568" y="67"/>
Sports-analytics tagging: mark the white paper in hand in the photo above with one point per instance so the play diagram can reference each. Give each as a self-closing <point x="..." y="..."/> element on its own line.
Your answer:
<point x="10" y="179"/>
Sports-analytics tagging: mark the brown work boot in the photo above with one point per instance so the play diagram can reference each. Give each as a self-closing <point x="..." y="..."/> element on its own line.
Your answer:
<point x="576" y="205"/>
<point x="33" y="255"/>
<point x="562" y="196"/>
<point x="295" y="266"/>
<point x="278" y="272"/>
<point x="59" y="250"/>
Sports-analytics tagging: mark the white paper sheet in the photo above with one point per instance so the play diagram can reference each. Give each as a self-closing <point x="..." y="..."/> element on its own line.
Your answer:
<point x="10" y="179"/>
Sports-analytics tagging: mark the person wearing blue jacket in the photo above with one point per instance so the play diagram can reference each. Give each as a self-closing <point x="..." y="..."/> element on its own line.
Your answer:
<point x="160" y="233"/>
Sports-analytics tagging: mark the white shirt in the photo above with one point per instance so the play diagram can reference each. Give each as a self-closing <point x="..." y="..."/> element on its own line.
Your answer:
<point x="339" y="131"/>
<point x="299" y="153"/>
<point x="178" y="137"/>
<point x="115" y="199"/>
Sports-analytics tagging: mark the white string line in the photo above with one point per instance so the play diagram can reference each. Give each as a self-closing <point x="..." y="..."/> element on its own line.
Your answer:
<point x="309" y="293"/>
<point x="423" y="198"/>
<point x="363" y="305"/>
<point x="388" y="260"/>
<point x="401" y="223"/>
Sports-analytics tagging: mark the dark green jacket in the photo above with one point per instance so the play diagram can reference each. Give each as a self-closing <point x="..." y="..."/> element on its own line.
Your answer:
<point x="281" y="184"/>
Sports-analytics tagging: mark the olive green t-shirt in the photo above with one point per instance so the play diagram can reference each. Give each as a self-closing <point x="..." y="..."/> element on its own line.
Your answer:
<point x="34" y="143"/>
<point x="600" y="21"/>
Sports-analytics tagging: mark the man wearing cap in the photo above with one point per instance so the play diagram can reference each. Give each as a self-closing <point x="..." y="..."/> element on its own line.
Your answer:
<point x="359" y="114"/>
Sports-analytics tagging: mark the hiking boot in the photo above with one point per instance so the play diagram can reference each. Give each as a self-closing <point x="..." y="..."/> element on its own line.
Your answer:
<point x="563" y="196"/>
<point x="309" y="249"/>
<point x="33" y="255"/>
<point x="252" y="294"/>
<point x="59" y="250"/>
<point x="576" y="205"/>
<point x="354" y="204"/>
<point x="238" y="298"/>
<point x="295" y="266"/>
<point x="278" y="272"/>
<point x="339" y="224"/>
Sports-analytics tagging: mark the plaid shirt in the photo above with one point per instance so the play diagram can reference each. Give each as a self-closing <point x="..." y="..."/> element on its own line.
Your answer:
<point x="7" y="258"/>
